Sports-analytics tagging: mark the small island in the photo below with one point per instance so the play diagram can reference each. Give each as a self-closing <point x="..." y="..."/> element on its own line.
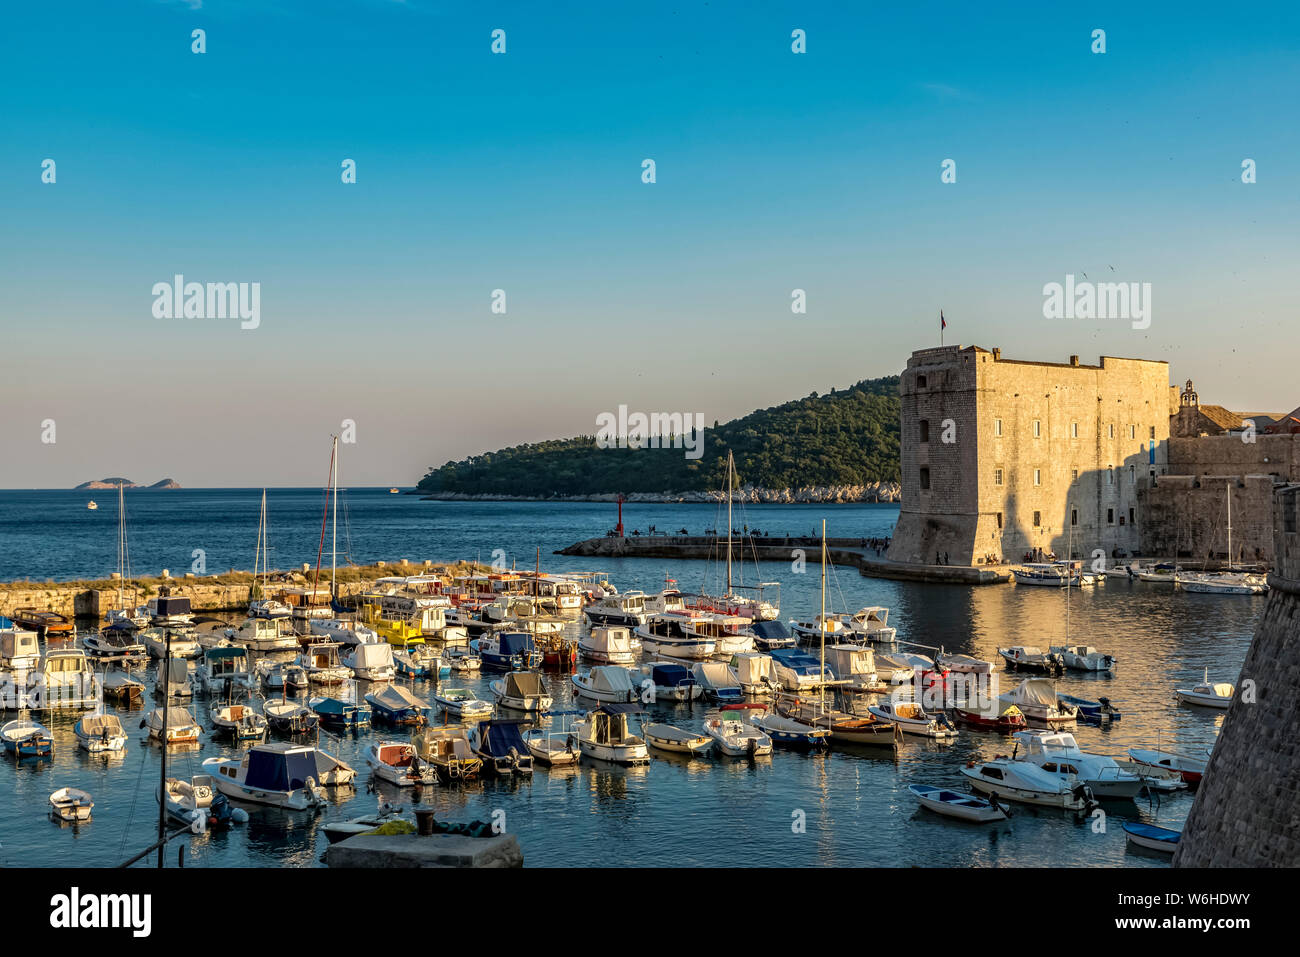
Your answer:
<point x="112" y="483"/>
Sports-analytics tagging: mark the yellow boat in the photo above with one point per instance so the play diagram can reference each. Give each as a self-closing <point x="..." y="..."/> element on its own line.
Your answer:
<point x="394" y="631"/>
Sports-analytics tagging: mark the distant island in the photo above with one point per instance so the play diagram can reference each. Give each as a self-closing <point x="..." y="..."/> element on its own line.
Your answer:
<point x="838" y="447"/>
<point x="112" y="483"/>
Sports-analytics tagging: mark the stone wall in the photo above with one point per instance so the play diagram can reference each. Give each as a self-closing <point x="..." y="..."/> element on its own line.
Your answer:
<point x="1277" y="455"/>
<point x="1187" y="516"/>
<point x="1246" y="813"/>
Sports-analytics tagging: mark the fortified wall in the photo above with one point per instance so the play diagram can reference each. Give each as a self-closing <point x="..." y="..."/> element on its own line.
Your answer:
<point x="1187" y="516"/>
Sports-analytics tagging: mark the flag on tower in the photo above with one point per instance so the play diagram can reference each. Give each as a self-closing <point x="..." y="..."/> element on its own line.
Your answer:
<point x="943" y="323"/>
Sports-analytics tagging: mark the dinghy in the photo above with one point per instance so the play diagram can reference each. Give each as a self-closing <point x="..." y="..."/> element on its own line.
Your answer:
<point x="100" y="733"/>
<point x="1151" y="837"/>
<point x="397" y="706"/>
<point x="280" y="775"/>
<point x="447" y="750"/>
<point x="735" y="737"/>
<point x="397" y="763"/>
<point x="198" y="803"/>
<point x="71" y="804"/>
<point x="665" y="737"/>
<point x="500" y="745"/>
<point x="553" y="748"/>
<point x="289" y="717"/>
<point x="24" y="738"/>
<point x="1207" y="694"/>
<point x="607" y="734"/>
<point x="181" y="728"/>
<point x="719" y="682"/>
<point x="1189" y="768"/>
<point x="911" y="718"/>
<point x="789" y="733"/>
<point x="1032" y="658"/>
<point x="605" y="683"/>
<point x="963" y="807"/>
<point x="240" y="722"/>
<point x="523" y="691"/>
<point x="461" y="703"/>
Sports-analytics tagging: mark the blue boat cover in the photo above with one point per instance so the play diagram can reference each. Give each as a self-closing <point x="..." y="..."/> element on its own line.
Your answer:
<point x="514" y="642"/>
<point x="768" y="630"/>
<point x="281" y="769"/>
<point x="5" y="622"/>
<point x="231" y="651"/>
<point x="795" y="659"/>
<point x="1152" y="832"/>
<point x="621" y="707"/>
<point x="671" y="675"/>
<point x="498" y="737"/>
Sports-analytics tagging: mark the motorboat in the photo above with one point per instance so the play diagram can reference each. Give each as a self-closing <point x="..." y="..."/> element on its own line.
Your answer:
<point x="182" y="643"/>
<point x="845" y="728"/>
<point x="289" y="717"/>
<point x="20" y="651"/>
<point x="1188" y="767"/>
<point x="755" y="672"/>
<point x="461" y="703"/>
<point x="397" y="763"/>
<point x="865" y="624"/>
<point x="114" y="644"/>
<point x="71" y="804"/>
<point x="666" y="737"/>
<point x="733" y="736"/>
<point x="627" y="610"/>
<point x="800" y="671"/>
<point x="63" y="679"/>
<point x="100" y="733"/>
<point x="240" y="722"/>
<point x="462" y="661"/>
<point x="198" y="804"/>
<point x="911" y="718"/>
<point x="1058" y="753"/>
<point x="120" y="687"/>
<point x="269" y="609"/>
<point x="609" y="644"/>
<point x="371" y="662"/>
<point x="447" y="750"/>
<point x="420" y="661"/>
<point x="224" y="671"/>
<point x="170" y="610"/>
<point x="321" y="661"/>
<point x="1154" y="780"/>
<point x="606" y="683"/>
<point x="729" y="633"/>
<point x="344" y="631"/>
<point x="524" y="691"/>
<point x="24" y="738"/>
<point x="181" y="728"/>
<point x="1084" y="658"/>
<point x="332" y="772"/>
<point x="955" y="804"/>
<point x="719" y="682"/>
<point x="554" y="748"/>
<point x="1038" y="701"/>
<point x="398" y="706"/>
<point x="893" y="670"/>
<point x="667" y="681"/>
<point x="1221" y="583"/>
<point x="668" y="600"/>
<point x="672" y="635"/>
<point x="46" y="624"/>
<point x="509" y="651"/>
<point x="174" y="680"/>
<point x="263" y="634"/>
<point x="501" y="746"/>
<point x="341" y="714"/>
<point x="1041" y="573"/>
<point x="1096" y="712"/>
<point x="789" y="733"/>
<point x="287" y="677"/>
<point x="1152" y="838"/>
<point x="962" y="664"/>
<point x="771" y="634"/>
<point x="1159" y="573"/>
<point x="608" y="734"/>
<point x="1028" y="784"/>
<point x="1207" y="694"/>
<point x="991" y="716"/>
<point x="855" y="665"/>
<point x="278" y="774"/>
<point x="1032" y="658"/>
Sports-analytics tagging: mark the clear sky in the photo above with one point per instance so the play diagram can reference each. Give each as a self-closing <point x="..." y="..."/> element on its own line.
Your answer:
<point x="523" y="172"/>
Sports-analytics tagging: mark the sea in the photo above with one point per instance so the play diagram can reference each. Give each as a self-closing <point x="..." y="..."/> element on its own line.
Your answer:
<point x="838" y="809"/>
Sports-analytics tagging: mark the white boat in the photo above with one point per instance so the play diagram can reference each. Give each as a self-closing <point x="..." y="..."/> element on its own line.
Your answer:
<point x="281" y="775"/>
<point x="462" y="660"/>
<point x="24" y="738"/>
<point x="1041" y="573"/>
<point x="958" y="805"/>
<point x="284" y="676"/>
<point x="397" y="763"/>
<point x="523" y="691"/>
<point x="170" y="610"/>
<point x="263" y="634"/>
<point x="961" y="664"/>
<point x="1188" y="767"/>
<point x="447" y="748"/>
<point x="198" y="803"/>
<point x="461" y="703"/>
<point x="717" y="679"/>
<point x="673" y="636"/>
<point x="100" y="733"/>
<point x="322" y="663"/>
<point x="892" y="670"/>
<point x="1038" y="702"/>
<point x="1058" y="753"/>
<point x="735" y="737"/>
<point x="791" y="732"/>
<point x="259" y="605"/>
<point x="627" y="610"/>
<point x="62" y="679"/>
<point x="20" y="652"/>
<point x="605" y="683"/>
<point x="1221" y="583"/>
<point x="670" y="599"/>
<point x="1151" y="837"/>
<point x="1155" y="574"/>
<point x="181" y="727"/>
<point x="1028" y="784"/>
<point x="344" y="631"/>
<point x="1084" y="658"/>
<point x="609" y="644"/>
<point x="756" y="673"/>
<point x="289" y="717"/>
<point x="239" y="721"/>
<point x="665" y="737"/>
<point x="552" y="747"/>
<point x="607" y="735"/>
<point x="666" y="681"/>
<point x="911" y="718"/>
<point x="1206" y="694"/>
<point x="856" y="666"/>
<point x="372" y="661"/>
<point x="71" y="804"/>
<point x="332" y="771"/>
<point x="184" y="644"/>
<point x="1032" y="658"/>
<point x="224" y="670"/>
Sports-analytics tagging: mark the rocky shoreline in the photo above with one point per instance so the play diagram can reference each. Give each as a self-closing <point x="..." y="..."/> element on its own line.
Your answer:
<point x="813" y="495"/>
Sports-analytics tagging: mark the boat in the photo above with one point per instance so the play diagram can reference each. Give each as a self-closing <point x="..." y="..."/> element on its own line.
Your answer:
<point x="911" y="718"/>
<point x="1151" y="837"/>
<point x="289" y="717"/>
<point x="114" y="644"/>
<point x="1228" y="581"/>
<point x="1041" y="573"/>
<point x="198" y="804"/>
<point x="509" y="651"/>
<point x="321" y="661"/>
<point x="667" y="681"/>
<point x="47" y="624"/>
<point x="71" y="804"/>
<point x="845" y="728"/>
<point x="396" y="705"/>
<point x="1191" y="769"/>
<point x="627" y="610"/>
<point x="344" y="631"/>
<point x="100" y="733"/>
<point x="962" y="664"/>
<point x="287" y="677"/>
<point x="461" y="703"/>
<point x="501" y="747"/>
<point x="554" y="748"/>
<point x="338" y="713"/>
<point x="120" y="687"/>
<point x="771" y="634"/>
<point x="666" y="737"/>
<point x="755" y="672"/>
<point x="718" y="681"/>
<point x="1058" y="753"/>
<point x="124" y="619"/>
<point x="673" y="635"/>
<point x="893" y="670"/>
<point x="263" y="634"/>
<point x="240" y="722"/>
<point x="993" y="716"/>
<point x="20" y="654"/>
<point x="855" y="666"/>
<point x="524" y="691"/>
<point x="1084" y="658"/>
<point x="26" y="739"/>
<point x="1028" y="784"/>
<point x="608" y="644"/>
<point x="605" y="683"/>
<point x="1032" y="658"/>
<point x="174" y="680"/>
<point x="157" y="640"/>
<point x="180" y="728"/>
<point x="462" y="661"/>
<point x="336" y="831"/>
<point x="789" y="733"/>
<point x="733" y="736"/>
<point x="800" y="671"/>
<point x="1090" y="712"/>
<point x="332" y="772"/>
<point x="1162" y="573"/>
<point x="91" y="505"/>
<point x="1207" y="694"/>
<point x="371" y="662"/>
<point x="397" y="763"/>
<point x="607" y="734"/>
<point x="420" y="661"/>
<point x="954" y="804"/>
<point x="169" y="610"/>
<point x="447" y="750"/>
<point x="224" y="671"/>
<point x="62" y="679"/>
<point x="280" y="775"/>
<point x="1038" y="701"/>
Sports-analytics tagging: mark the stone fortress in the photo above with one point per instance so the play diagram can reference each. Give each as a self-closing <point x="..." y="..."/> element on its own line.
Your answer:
<point x="1007" y="460"/>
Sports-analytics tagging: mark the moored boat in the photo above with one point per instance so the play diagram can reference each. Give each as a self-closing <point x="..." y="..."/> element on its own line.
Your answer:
<point x="954" y="804"/>
<point x="398" y="706"/>
<point x="911" y="718"/>
<point x="501" y="746"/>
<point x="1152" y="838"/>
<point x="461" y="703"/>
<point x="100" y="733"/>
<point x="1189" y="767"/>
<point x="605" y="683"/>
<point x="1028" y="784"/>
<point x="240" y="722"/>
<point x="280" y="775"/>
<point x="447" y="749"/>
<point x="666" y="737"/>
<point x="523" y="691"/>
<point x="397" y="763"/>
<point x="180" y="729"/>
<point x="608" y="734"/>
<point x="71" y="804"/>
<point x="24" y="738"/>
<point x="1207" y="694"/>
<point x="733" y="736"/>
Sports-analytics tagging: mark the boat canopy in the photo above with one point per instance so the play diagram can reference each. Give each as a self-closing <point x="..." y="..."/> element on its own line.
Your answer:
<point x="95" y="725"/>
<point x="796" y="660"/>
<point x="1035" y="691"/>
<point x="278" y="767"/>
<point x="715" y="674"/>
<point x="851" y="660"/>
<point x="176" y="718"/>
<point x="770" y="630"/>
<point x="620" y="707"/>
<point x="18" y="643"/>
<point x="514" y="642"/>
<point x="225" y="652"/>
<point x="611" y="678"/>
<point x="372" y="655"/>
<point x="178" y="671"/>
<point x="172" y="605"/>
<point x="397" y="698"/>
<point x="753" y="668"/>
<point x="526" y="684"/>
<point x="671" y="675"/>
<point x="497" y="737"/>
<point x="611" y="638"/>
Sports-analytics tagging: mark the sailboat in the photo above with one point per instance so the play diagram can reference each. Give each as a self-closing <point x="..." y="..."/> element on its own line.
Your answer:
<point x="1227" y="582"/>
<point x="123" y="618"/>
<point x="259" y="605"/>
<point x="345" y="631"/>
<point x="757" y="607"/>
<point x="1077" y="657"/>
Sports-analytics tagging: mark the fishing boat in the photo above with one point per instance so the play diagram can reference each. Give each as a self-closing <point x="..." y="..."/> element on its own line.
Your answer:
<point x="279" y="775"/>
<point x="239" y="722"/>
<point x="287" y="677"/>
<point x="911" y="718"/>
<point x="371" y="662"/>
<point x="121" y="688"/>
<point x="263" y="634"/>
<point x="225" y="671"/>
<point x="338" y="713"/>
<point x="183" y="643"/>
<point x="605" y="683"/>
<point x="991" y="716"/>
<point x="1032" y="658"/>
<point x="610" y="644"/>
<point x="321" y="661"/>
<point x="666" y="737"/>
<point x="1084" y="658"/>
<point x="800" y="671"/>
<point x="24" y="738"/>
<point x="523" y="691"/>
<point x="608" y="734"/>
<point x="719" y="682"/>
<point x="501" y="746"/>
<point x="509" y="651"/>
<point x="48" y="625"/>
<point x="63" y="679"/>
<point x="1028" y="784"/>
<point x="771" y="634"/>
<point x="461" y="703"/>
<point x="552" y="747"/>
<point x="954" y="804"/>
<point x="1188" y="767"/>
<point x="1058" y="753"/>
<point x="71" y="804"/>
<point x="198" y="804"/>
<point x="397" y="763"/>
<point x="1090" y="712"/>
<point x="398" y="706"/>
<point x="755" y="673"/>
<point x="100" y="733"/>
<point x="289" y="717"/>
<point x="627" y="610"/>
<point x="733" y="736"/>
<point x="1151" y="837"/>
<point x="1038" y="701"/>
<point x="1041" y="573"/>
<point x="667" y="681"/>
<point x="1207" y="694"/>
<point x="447" y="750"/>
<point x="672" y="635"/>
<point x="180" y="727"/>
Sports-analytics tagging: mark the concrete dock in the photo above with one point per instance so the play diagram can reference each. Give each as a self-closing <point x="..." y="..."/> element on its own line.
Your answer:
<point x="436" y="850"/>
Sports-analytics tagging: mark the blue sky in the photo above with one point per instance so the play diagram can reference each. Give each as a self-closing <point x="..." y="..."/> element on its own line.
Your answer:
<point x="522" y="172"/>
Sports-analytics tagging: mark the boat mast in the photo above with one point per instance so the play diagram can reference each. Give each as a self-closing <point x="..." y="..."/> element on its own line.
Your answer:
<point x="730" y="466"/>
<point x="121" y="547"/>
<point x="162" y="776"/>
<point x="821" y="681"/>
<point x="334" y="519"/>
<point x="1227" y="491"/>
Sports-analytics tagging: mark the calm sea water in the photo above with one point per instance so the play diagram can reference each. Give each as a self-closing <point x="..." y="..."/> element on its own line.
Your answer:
<point x="716" y="811"/>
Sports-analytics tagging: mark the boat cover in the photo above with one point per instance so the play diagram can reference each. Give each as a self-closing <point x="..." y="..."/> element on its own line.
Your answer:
<point x="525" y="684"/>
<point x="279" y="767"/>
<point x="612" y="639"/>
<point x="178" y="670"/>
<point x="611" y="678"/>
<point x="1034" y="691"/>
<point x="514" y="642"/>
<point x="371" y="656"/>
<point x="714" y="674"/>
<point x="498" y="737"/>
<point x="96" y="725"/>
<point x="396" y="698"/>
<point x="851" y="660"/>
<point x="172" y="606"/>
<point x="670" y="676"/>
<point x="752" y="669"/>
<point x="796" y="660"/>
<point x="620" y="707"/>
<point x="770" y="630"/>
<point x="176" y="718"/>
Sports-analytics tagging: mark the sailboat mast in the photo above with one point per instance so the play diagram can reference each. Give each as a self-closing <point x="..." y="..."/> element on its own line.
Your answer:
<point x="1227" y="489"/>
<point x="166" y="667"/>
<point x="121" y="547"/>
<point x="334" y="520"/>
<point x="822" y="622"/>
<point x="730" y="466"/>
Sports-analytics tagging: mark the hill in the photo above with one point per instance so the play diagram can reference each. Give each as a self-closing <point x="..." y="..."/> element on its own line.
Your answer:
<point x="112" y="483"/>
<point x="847" y="438"/>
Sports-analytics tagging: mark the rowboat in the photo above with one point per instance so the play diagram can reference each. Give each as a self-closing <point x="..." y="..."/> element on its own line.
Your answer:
<point x="1189" y="768"/>
<point x="397" y="763"/>
<point x="1206" y="694"/>
<point x="447" y="750"/>
<point x="26" y="739"/>
<point x="289" y="717"/>
<point x="665" y="737"/>
<point x="735" y="737"/>
<point x="71" y="804"/>
<point x="461" y="703"/>
<point x="1151" y="837"/>
<point x="964" y="807"/>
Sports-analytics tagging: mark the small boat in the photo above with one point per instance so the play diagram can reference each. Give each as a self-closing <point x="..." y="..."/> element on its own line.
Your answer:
<point x="100" y="733"/>
<point x="553" y="748"/>
<point x="789" y="733"/>
<point x="964" y="807"/>
<point x="183" y="643"/>
<point x="174" y="680"/>
<point x="461" y="703"/>
<point x="344" y="631"/>
<point x="893" y="670"/>
<point x="1084" y="658"/>
<point x="372" y="662"/>
<point x="510" y="651"/>
<point x="1189" y="768"/>
<point x="321" y="661"/>
<point x="1038" y="700"/>
<point x="607" y="734"/>
<point x="1151" y="837"/>
<point x="392" y="491"/>
<point x="800" y="671"/>
<point x="1041" y="573"/>
<point x="665" y="737"/>
<point x="336" y="831"/>
<point x="735" y="737"/>
<point x="1154" y="780"/>
<point x="398" y="706"/>
<point x="667" y="681"/>
<point x="120" y="687"/>
<point x="1090" y="712"/>
<point x="770" y="635"/>
<point x="240" y="722"/>
<point x="962" y="665"/>
<point x="114" y="644"/>
<point x="501" y="746"/>
<point x="1032" y="658"/>
<point x="756" y="673"/>
<point x="181" y="727"/>
<point x="1028" y="784"/>
<point x="263" y="634"/>
<point x="1221" y="583"/>
<point x="675" y="636"/>
<point x="224" y="670"/>
<point x="47" y="624"/>
<point x="994" y="717"/>
<point x="627" y="610"/>
<point x="333" y="772"/>
<point x="447" y="749"/>
<point x="337" y="713"/>
<point x="521" y="691"/>
<point x="26" y="739"/>
<point x="605" y="683"/>
<point x="1058" y="753"/>
<point x="170" y="610"/>
<point x="92" y="505"/>
<point x="462" y="661"/>
<point x="397" y="763"/>
<point x="289" y="717"/>
<point x="71" y="804"/>
<point x="198" y="803"/>
<point x="609" y="644"/>
<point x="280" y="775"/>
<point x="856" y="665"/>
<point x="285" y="676"/>
<point x="419" y="661"/>
<point x="719" y="682"/>
<point x="845" y="728"/>
<point x="1207" y="694"/>
<point x="911" y="718"/>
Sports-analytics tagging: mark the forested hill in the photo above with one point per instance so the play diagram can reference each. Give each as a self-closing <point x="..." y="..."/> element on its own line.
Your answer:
<point x="847" y="437"/>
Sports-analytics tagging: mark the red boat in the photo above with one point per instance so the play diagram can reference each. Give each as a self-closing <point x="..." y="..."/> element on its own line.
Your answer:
<point x="1008" y="721"/>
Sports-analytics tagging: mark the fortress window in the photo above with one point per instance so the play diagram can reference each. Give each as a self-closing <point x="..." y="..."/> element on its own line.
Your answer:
<point x="1110" y="516"/>
<point x="1074" y="475"/>
<point x="1074" y="516"/>
<point x="997" y="476"/>
<point x="1132" y="474"/>
<point x="1131" y="519"/>
<point x="997" y="426"/>
<point x="999" y="519"/>
<point x="1074" y="430"/>
<point x="1038" y="476"/>
<point x="925" y="478"/>
<point x="1038" y="428"/>
<point x="1132" y="431"/>
<point x="1153" y="431"/>
<point x="1037" y="519"/>
<point x="925" y="430"/>
<point x="1110" y="475"/>
<point x="1112" y="430"/>
<point x="920" y="382"/>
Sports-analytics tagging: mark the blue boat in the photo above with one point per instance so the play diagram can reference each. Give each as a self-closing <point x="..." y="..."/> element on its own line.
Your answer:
<point x="1151" y="837"/>
<point x="769" y="635"/>
<point x="501" y="746"/>
<point x="395" y="705"/>
<point x="1092" y="712"/>
<point x="27" y="739"/>
<point x="336" y="713"/>
<point x="510" y="651"/>
<point x="798" y="670"/>
<point x="674" y="683"/>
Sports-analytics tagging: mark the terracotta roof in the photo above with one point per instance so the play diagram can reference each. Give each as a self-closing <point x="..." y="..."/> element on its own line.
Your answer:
<point x="1221" y="417"/>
